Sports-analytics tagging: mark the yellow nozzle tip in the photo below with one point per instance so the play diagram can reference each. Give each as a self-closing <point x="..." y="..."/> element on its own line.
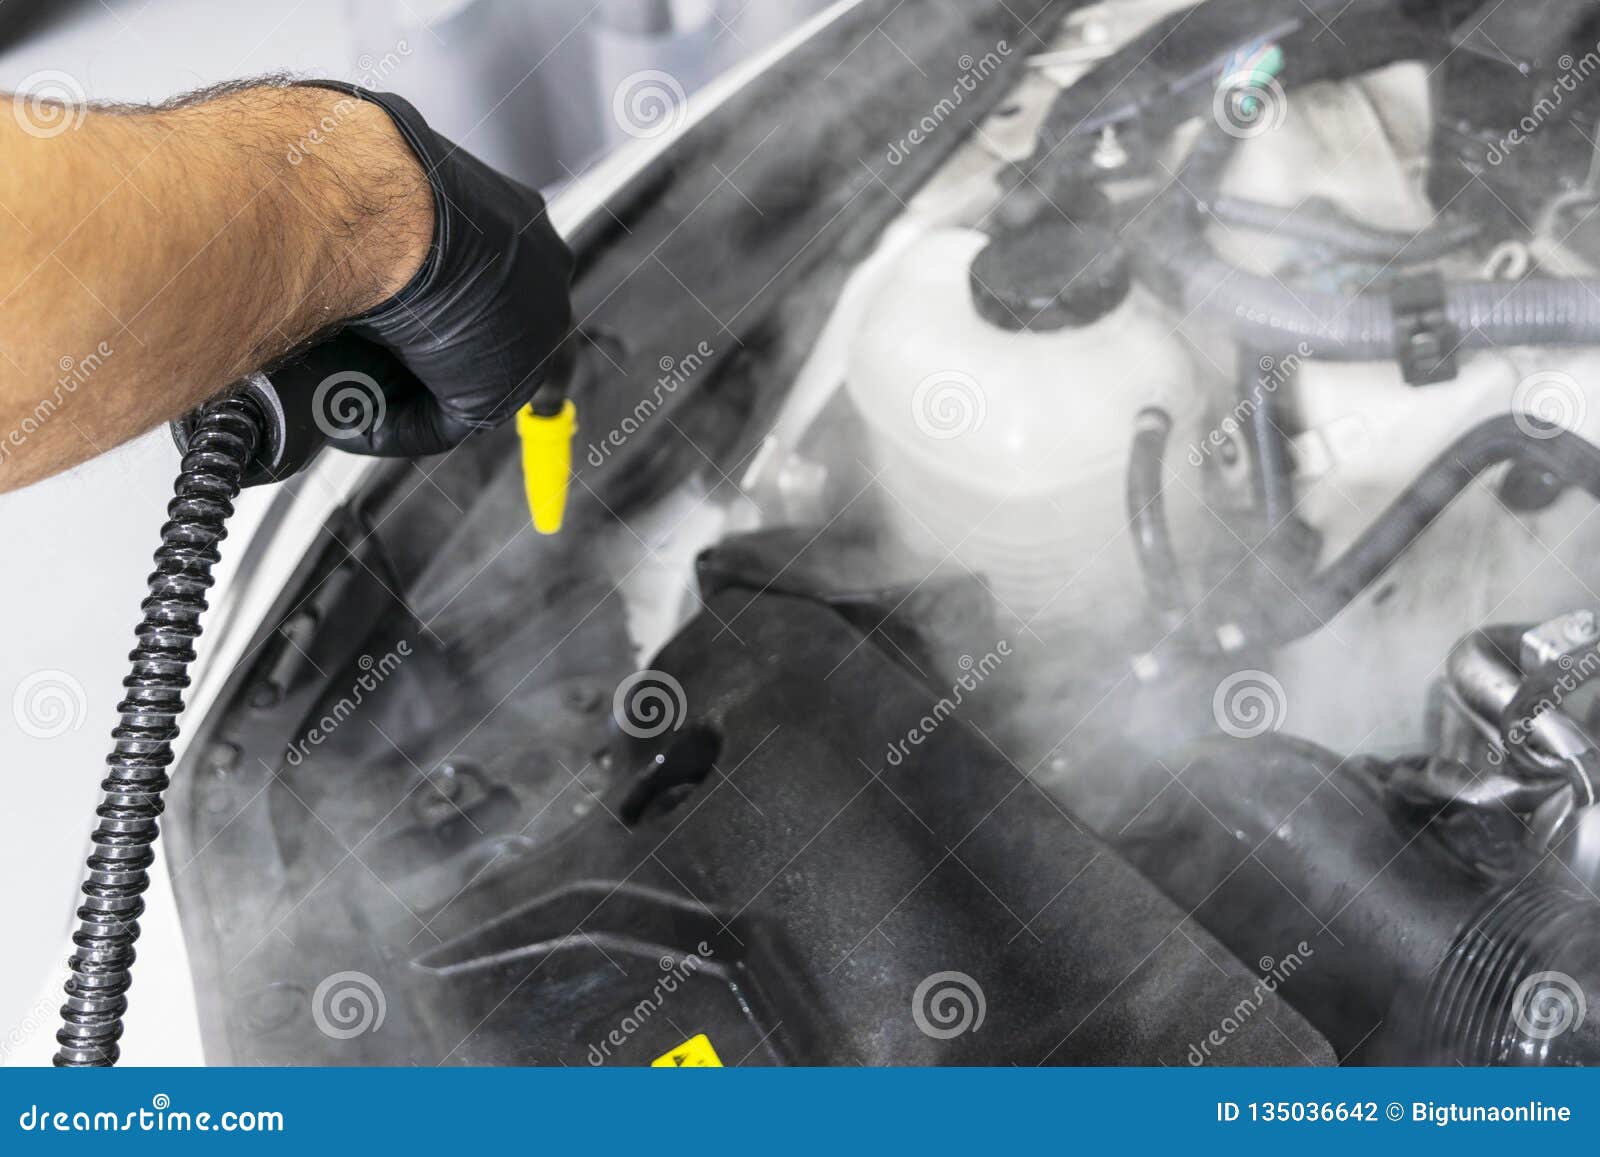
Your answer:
<point x="547" y="463"/>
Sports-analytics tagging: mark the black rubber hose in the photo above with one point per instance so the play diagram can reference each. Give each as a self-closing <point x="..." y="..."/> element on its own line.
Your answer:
<point x="1319" y="223"/>
<point x="1274" y="472"/>
<point x="1152" y="539"/>
<point x="1510" y="437"/>
<point x="1262" y="313"/>
<point x="221" y="447"/>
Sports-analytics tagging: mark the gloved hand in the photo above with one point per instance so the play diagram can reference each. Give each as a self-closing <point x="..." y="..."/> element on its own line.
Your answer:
<point x="478" y="328"/>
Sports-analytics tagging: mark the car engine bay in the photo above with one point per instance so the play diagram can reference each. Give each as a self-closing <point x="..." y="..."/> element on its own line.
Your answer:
<point x="1082" y="555"/>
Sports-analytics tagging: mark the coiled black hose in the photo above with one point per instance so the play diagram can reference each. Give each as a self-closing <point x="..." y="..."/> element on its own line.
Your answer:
<point x="1509" y="437"/>
<point x="222" y="444"/>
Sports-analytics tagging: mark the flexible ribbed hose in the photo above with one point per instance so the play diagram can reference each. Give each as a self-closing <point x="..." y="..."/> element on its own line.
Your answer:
<point x="221" y="446"/>
<point x="1262" y="312"/>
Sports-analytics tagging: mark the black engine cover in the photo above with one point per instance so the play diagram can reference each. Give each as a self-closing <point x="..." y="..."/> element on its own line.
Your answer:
<point x="819" y="889"/>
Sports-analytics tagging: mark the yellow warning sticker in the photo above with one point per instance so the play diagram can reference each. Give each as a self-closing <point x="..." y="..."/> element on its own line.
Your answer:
<point x="694" y="1053"/>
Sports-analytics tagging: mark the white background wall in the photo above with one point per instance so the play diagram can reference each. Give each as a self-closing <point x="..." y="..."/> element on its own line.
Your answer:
<point x="523" y="83"/>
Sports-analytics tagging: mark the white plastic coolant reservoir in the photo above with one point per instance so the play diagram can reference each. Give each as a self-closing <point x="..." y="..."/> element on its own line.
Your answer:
<point x="1007" y="448"/>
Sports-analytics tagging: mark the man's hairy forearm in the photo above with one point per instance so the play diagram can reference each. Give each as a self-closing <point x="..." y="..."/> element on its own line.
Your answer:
<point x="154" y="256"/>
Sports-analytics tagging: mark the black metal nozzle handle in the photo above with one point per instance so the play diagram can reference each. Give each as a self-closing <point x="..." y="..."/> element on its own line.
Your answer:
<point x="308" y="400"/>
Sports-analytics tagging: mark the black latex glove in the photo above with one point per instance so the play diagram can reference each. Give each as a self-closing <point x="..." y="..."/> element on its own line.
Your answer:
<point x="478" y="328"/>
